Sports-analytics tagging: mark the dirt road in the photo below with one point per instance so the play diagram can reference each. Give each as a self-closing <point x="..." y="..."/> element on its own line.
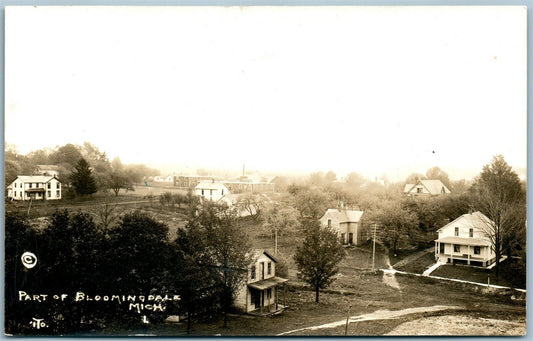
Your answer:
<point x="377" y="315"/>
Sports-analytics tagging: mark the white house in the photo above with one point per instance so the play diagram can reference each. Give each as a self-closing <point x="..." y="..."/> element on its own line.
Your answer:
<point x="426" y="187"/>
<point x="260" y="295"/>
<point x="211" y="190"/>
<point x="41" y="187"/>
<point x="466" y="240"/>
<point x="346" y="223"/>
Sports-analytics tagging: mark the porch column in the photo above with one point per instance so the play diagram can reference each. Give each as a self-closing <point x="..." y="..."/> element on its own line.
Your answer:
<point x="262" y="300"/>
<point x="276" y="292"/>
<point x="451" y="254"/>
<point x="284" y="295"/>
<point x="468" y="262"/>
<point x="246" y="305"/>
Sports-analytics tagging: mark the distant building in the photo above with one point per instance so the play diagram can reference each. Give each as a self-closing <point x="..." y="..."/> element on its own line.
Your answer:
<point x="346" y="223"/>
<point x="50" y="170"/>
<point x="466" y="240"/>
<point x="40" y="187"/>
<point x="426" y="188"/>
<point x="158" y="178"/>
<point x="249" y="186"/>
<point x="211" y="190"/>
<point x="191" y="181"/>
<point x="260" y="293"/>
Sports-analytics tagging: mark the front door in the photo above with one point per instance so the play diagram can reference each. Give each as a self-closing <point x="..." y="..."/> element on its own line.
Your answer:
<point x="256" y="298"/>
<point x="350" y="238"/>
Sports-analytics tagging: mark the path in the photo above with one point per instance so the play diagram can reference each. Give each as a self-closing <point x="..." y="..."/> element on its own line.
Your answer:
<point x="414" y="257"/>
<point x="431" y="269"/>
<point x="377" y="315"/>
<point x="393" y="271"/>
<point x="389" y="278"/>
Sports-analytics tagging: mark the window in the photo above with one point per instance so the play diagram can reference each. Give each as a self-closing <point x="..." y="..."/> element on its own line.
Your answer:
<point x="457" y="248"/>
<point x="37" y="185"/>
<point x="252" y="272"/>
<point x="471" y="233"/>
<point x="222" y="191"/>
<point x="269" y="293"/>
<point x="477" y="250"/>
<point x="441" y="248"/>
<point x="57" y="194"/>
<point x="419" y="190"/>
<point x="202" y="192"/>
<point x="49" y="186"/>
<point x="329" y="222"/>
<point x="269" y="269"/>
<point x="211" y="192"/>
<point x="57" y="185"/>
<point x="49" y="193"/>
<point x="457" y="232"/>
<point x="30" y="184"/>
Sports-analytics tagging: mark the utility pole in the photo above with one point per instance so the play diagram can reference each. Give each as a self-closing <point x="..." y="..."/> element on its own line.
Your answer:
<point x="275" y="241"/>
<point x="374" y="247"/>
<point x="29" y="207"/>
<point x="347" y="321"/>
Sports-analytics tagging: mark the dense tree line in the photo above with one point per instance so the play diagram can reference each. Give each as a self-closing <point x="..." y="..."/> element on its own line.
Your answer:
<point x="205" y="264"/>
<point x="104" y="174"/>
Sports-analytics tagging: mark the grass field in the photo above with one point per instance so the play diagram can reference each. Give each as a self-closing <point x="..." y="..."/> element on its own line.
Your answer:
<point x="369" y="294"/>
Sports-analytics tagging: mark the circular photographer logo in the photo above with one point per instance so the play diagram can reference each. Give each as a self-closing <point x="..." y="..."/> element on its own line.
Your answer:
<point x="28" y="260"/>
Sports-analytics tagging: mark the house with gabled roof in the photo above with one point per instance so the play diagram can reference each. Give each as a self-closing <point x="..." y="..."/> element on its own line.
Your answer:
<point x="426" y="188"/>
<point x="40" y="187"/>
<point x="347" y="224"/>
<point x="261" y="293"/>
<point x="211" y="190"/>
<point x="466" y="240"/>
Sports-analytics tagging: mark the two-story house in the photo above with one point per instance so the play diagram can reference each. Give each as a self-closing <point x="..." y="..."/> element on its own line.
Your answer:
<point x="346" y="223"/>
<point x="466" y="240"/>
<point x="40" y="187"/>
<point x="260" y="295"/>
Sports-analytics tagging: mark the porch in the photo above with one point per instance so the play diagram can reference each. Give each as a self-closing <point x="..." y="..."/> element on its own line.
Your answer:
<point x="263" y="297"/>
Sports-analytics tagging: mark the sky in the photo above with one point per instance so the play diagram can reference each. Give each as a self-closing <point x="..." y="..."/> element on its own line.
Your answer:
<point x="376" y="90"/>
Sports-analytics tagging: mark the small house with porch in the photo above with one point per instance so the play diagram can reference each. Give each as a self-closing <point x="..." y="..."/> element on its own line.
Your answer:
<point x="40" y="187"/>
<point x="347" y="224"/>
<point x="263" y="290"/>
<point x="466" y="240"/>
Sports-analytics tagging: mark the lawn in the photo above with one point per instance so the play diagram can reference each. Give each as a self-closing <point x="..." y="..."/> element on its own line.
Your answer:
<point x="418" y="265"/>
<point x="509" y="275"/>
<point x="369" y="295"/>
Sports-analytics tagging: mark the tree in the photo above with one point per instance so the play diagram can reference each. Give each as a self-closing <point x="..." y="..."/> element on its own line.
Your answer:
<point x="279" y="220"/>
<point x="414" y="177"/>
<point x="312" y="203"/>
<point x="82" y="178"/>
<point x="354" y="180"/>
<point x="69" y="154"/>
<point x="498" y="194"/>
<point x="317" y="257"/>
<point x="223" y="246"/>
<point x="395" y="222"/>
<point x="435" y="173"/>
<point x="251" y="203"/>
<point x="118" y="180"/>
<point x="330" y="176"/>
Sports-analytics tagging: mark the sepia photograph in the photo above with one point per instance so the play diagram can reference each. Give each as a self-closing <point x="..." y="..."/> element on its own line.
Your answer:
<point x="202" y="171"/>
